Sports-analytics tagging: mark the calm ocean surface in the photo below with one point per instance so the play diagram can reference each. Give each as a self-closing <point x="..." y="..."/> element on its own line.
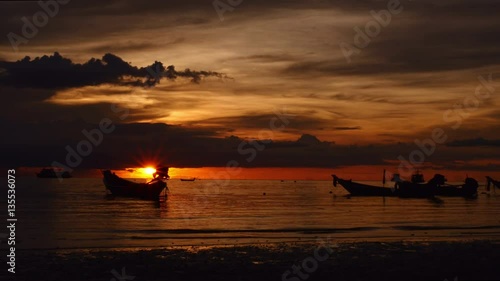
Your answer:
<point x="76" y="214"/>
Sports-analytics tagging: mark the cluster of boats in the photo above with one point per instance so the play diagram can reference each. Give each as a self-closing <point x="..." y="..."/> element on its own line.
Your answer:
<point x="416" y="187"/>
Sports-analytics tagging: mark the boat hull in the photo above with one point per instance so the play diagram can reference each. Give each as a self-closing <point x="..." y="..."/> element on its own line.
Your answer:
<point x="125" y="188"/>
<point x="401" y="189"/>
<point x="415" y="190"/>
<point x="454" y="191"/>
<point x="406" y="189"/>
<point x="188" y="179"/>
<point x="359" y="189"/>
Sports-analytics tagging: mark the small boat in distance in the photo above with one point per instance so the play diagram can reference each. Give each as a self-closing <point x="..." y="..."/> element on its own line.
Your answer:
<point x="191" y="179"/>
<point x="125" y="188"/>
<point x="53" y="173"/>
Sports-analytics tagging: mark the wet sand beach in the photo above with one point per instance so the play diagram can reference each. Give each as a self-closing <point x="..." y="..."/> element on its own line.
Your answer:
<point x="466" y="260"/>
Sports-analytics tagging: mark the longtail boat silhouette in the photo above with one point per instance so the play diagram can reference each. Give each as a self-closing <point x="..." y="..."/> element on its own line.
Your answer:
<point x="125" y="188"/>
<point x="406" y="189"/>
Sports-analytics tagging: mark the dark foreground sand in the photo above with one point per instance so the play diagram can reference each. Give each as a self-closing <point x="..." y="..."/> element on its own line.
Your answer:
<point x="477" y="260"/>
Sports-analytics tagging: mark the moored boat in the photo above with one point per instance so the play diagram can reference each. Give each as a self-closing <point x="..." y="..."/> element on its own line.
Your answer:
<point x="125" y="188"/>
<point x="53" y="173"/>
<point x="192" y="179"/>
<point x="404" y="189"/>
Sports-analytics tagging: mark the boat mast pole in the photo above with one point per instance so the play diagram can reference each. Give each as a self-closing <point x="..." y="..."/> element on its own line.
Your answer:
<point x="383" y="178"/>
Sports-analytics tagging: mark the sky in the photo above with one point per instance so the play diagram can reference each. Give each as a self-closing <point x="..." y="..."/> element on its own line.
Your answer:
<point x="326" y="85"/>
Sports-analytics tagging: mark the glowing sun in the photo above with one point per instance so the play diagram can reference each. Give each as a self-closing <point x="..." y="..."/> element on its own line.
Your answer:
<point x="148" y="171"/>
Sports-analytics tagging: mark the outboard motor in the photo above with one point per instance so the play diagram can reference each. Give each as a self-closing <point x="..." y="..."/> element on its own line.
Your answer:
<point x="396" y="178"/>
<point x="439" y="179"/>
<point x="161" y="173"/>
<point x="470" y="187"/>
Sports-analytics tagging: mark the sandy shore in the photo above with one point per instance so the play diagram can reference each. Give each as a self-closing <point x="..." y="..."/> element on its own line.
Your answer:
<point x="319" y="261"/>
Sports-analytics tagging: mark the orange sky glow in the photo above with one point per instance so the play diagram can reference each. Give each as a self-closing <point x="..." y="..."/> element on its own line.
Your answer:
<point x="361" y="173"/>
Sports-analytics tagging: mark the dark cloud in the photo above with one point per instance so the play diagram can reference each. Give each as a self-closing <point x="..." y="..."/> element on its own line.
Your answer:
<point x="57" y="72"/>
<point x="474" y="142"/>
<point x="41" y="143"/>
<point x="425" y="37"/>
<point x="495" y="115"/>
<point x="123" y="47"/>
<point x="347" y="128"/>
<point x="297" y="123"/>
<point x="130" y="144"/>
<point x="267" y="58"/>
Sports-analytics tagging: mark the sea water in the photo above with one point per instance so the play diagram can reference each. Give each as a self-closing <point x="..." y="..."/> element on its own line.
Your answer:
<point x="77" y="214"/>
